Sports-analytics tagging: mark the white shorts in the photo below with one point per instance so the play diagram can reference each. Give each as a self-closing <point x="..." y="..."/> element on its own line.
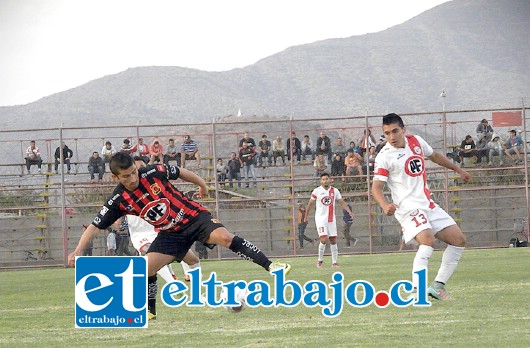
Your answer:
<point x="140" y="239"/>
<point x="417" y="220"/>
<point x="327" y="229"/>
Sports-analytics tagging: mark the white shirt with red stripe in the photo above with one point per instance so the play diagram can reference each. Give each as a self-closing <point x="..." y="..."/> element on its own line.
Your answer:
<point x="325" y="204"/>
<point x="403" y="170"/>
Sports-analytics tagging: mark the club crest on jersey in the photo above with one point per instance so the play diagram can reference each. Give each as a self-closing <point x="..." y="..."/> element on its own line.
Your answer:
<point x="417" y="150"/>
<point x="326" y="200"/>
<point x="414" y="212"/>
<point x="156" y="212"/>
<point x="414" y="166"/>
<point x="155" y="188"/>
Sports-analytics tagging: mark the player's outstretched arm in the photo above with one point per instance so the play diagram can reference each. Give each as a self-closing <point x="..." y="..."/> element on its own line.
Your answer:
<point x="189" y="176"/>
<point x="90" y="233"/>
<point x="443" y="161"/>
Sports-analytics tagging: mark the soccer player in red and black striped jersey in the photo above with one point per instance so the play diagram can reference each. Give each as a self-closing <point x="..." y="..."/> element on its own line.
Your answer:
<point x="148" y="193"/>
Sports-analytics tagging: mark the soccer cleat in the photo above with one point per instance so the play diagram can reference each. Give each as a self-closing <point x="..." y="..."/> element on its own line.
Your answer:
<point x="279" y="265"/>
<point x="151" y="316"/>
<point x="319" y="264"/>
<point x="335" y="265"/>
<point x="437" y="291"/>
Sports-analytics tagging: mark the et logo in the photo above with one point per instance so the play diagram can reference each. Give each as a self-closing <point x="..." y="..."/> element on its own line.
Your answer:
<point x="110" y="292"/>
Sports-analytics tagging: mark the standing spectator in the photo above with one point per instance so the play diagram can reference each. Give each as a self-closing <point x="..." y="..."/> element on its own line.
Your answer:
<point x="96" y="165"/>
<point x="141" y="150"/>
<point x="319" y="165"/>
<point x="484" y="130"/>
<point x="67" y="154"/>
<point x="382" y="142"/>
<point x="234" y="169"/>
<point x="201" y="250"/>
<point x="171" y="153"/>
<point x="189" y="150"/>
<point x="278" y="149"/>
<point x="156" y="152"/>
<point x="371" y="159"/>
<point x="367" y="140"/>
<point x="122" y="237"/>
<point x="246" y="156"/>
<point x="495" y="148"/>
<point x="337" y="166"/>
<point x="340" y="148"/>
<point x="250" y="142"/>
<point x="325" y="197"/>
<point x="302" y="224"/>
<point x="514" y="147"/>
<point x="296" y="149"/>
<point x="111" y="241"/>
<point x="467" y="149"/>
<point x="108" y="151"/>
<point x="222" y="171"/>
<point x="348" y="222"/>
<point x="90" y="246"/>
<point x="306" y="148"/>
<point x="126" y="146"/>
<point x="353" y="161"/>
<point x="264" y="148"/>
<point x="33" y="156"/>
<point x="324" y="146"/>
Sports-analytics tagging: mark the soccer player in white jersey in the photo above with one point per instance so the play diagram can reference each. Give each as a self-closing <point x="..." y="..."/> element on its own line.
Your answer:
<point x="401" y="165"/>
<point x="325" y="197"/>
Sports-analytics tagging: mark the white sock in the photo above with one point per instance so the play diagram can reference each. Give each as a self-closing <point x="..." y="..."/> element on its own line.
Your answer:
<point x="421" y="261"/>
<point x="185" y="267"/>
<point x="334" y="253"/>
<point x="321" y="249"/>
<point x="166" y="273"/>
<point x="450" y="259"/>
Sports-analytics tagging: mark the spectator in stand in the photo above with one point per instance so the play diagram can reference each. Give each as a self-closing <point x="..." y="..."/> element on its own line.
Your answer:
<point x="484" y="130"/>
<point x="141" y="150"/>
<point x="337" y="166"/>
<point x="88" y="249"/>
<point x="340" y="148"/>
<point x="96" y="164"/>
<point x="366" y="142"/>
<point x="122" y="237"/>
<point x="126" y="146"/>
<point x="382" y="142"/>
<point x="156" y="152"/>
<point x="222" y="171"/>
<point x="495" y="148"/>
<point x="278" y="149"/>
<point x="297" y="149"/>
<point x="352" y="147"/>
<point x="246" y="156"/>
<point x="234" y="169"/>
<point x="482" y="150"/>
<point x="348" y="222"/>
<point x="514" y="146"/>
<point x="189" y="150"/>
<point x="111" y="241"/>
<point x="324" y="147"/>
<point x="33" y="156"/>
<point x="67" y="154"/>
<point x="302" y="224"/>
<point x="467" y="149"/>
<point x="172" y="153"/>
<point x="107" y="151"/>
<point x="371" y="159"/>
<point x="264" y="148"/>
<point x="306" y="147"/>
<point x="319" y="165"/>
<point x="352" y="162"/>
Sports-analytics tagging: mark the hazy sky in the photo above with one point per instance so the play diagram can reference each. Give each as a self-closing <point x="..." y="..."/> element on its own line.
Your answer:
<point x="48" y="46"/>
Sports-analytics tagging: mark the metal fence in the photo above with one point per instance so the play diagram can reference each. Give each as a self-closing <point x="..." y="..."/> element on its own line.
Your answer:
<point x="42" y="214"/>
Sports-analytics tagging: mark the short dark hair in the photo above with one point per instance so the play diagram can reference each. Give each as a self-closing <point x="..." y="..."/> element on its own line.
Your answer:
<point x="324" y="174"/>
<point x="393" y="118"/>
<point x="108" y="143"/>
<point x="126" y="141"/>
<point x="139" y="158"/>
<point x="468" y="137"/>
<point x="513" y="131"/>
<point x="120" y="161"/>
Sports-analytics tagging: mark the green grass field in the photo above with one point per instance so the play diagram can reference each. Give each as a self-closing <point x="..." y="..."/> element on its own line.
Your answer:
<point x="491" y="289"/>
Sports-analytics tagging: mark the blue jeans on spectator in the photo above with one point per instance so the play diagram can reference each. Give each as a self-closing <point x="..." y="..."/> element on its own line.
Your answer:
<point x="96" y="169"/>
<point x="236" y="176"/>
<point x="249" y="170"/>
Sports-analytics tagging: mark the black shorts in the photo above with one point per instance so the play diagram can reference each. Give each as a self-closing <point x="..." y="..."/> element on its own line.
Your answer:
<point x="179" y="242"/>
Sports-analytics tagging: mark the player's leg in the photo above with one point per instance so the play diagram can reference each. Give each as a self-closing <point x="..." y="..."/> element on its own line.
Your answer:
<point x="323" y="236"/>
<point x="190" y="262"/>
<point x="155" y="261"/>
<point x="334" y="248"/>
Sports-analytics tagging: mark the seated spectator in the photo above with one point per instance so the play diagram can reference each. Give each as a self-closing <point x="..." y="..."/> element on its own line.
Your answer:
<point x="319" y="165"/>
<point x="495" y="148"/>
<point x="337" y="166"/>
<point x="222" y="171"/>
<point x="514" y="146"/>
<point x="306" y="147"/>
<point x="141" y="150"/>
<point x="324" y="146"/>
<point x="126" y="146"/>
<point x="467" y="149"/>
<point x="352" y="162"/>
<point x="352" y="147"/>
<point x="366" y="141"/>
<point x="264" y="148"/>
<point x="234" y="169"/>
<point x="189" y="150"/>
<point x="96" y="164"/>
<point x="297" y="151"/>
<point x="156" y="152"/>
<point x="278" y="149"/>
<point x="33" y="156"/>
<point x="340" y="148"/>
<point x="172" y="153"/>
<point x="482" y="150"/>
<point x="246" y="156"/>
<point x="107" y="151"/>
<point x="382" y="143"/>
<point x="67" y="154"/>
<point x="484" y="130"/>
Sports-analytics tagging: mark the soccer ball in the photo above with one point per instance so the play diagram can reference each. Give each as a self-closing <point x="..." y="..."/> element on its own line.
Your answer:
<point x="241" y="297"/>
